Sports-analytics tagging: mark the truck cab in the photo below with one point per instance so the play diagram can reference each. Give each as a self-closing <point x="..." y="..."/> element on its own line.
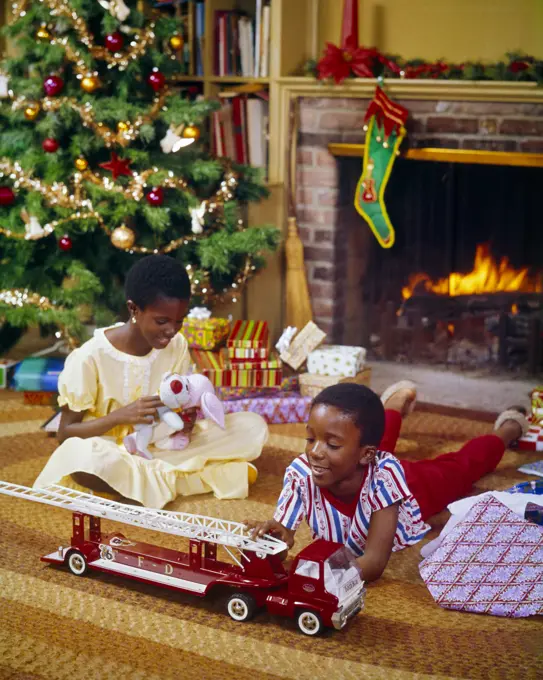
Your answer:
<point x="325" y="588"/>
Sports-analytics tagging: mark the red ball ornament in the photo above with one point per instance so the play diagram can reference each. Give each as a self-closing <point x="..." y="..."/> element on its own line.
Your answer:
<point x="53" y="85"/>
<point x="65" y="243"/>
<point x="155" y="197"/>
<point x="50" y="145"/>
<point x="114" y="41"/>
<point x="157" y="80"/>
<point x="6" y="196"/>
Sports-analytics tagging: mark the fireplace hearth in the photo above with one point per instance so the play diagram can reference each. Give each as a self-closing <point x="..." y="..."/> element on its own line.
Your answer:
<point x="462" y="286"/>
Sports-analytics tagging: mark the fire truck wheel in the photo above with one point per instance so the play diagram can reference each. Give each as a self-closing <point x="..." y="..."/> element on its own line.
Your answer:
<point x="77" y="563"/>
<point x="309" y="622"/>
<point x="241" y="607"/>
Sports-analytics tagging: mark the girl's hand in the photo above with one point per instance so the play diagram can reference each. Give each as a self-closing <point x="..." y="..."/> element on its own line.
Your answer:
<point x="189" y="419"/>
<point x="140" y="412"/>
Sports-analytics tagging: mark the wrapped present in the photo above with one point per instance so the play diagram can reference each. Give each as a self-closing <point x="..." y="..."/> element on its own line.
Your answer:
<point x="311" y="384"/>
<point x="289" y="408"/>
<point x="229" y="377"/>
<point x="491" y="562"/>
<point x="37" y="374"/>
<point x="205" y="334"/>
<point x="40" y="398"/>
<point x="7" y="369"/>
<point x="533" y="439"/>
<point x="248" y="354"/>
<point x="288" y="384"/>
<point x="266" y="364"/>
<point x="249" y="335"/>
<point x="340" y="360"/>
<point x="214" y="365"/>
<point x="537" y="406"/>
<point x="308" y="339"/>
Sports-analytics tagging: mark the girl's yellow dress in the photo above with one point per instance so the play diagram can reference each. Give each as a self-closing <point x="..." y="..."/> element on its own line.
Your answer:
<point x="98" y="378"/>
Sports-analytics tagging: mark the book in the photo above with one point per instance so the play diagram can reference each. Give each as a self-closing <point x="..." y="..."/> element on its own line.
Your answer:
<point x="191" y="38"/>
<point x="265" y="44"/>
<point x="257" y="118"/>
<point x="200" y="37"/>
<point x="240" y="129"/>
<point x="258" y="38"/>
<point x="535" y="468"/>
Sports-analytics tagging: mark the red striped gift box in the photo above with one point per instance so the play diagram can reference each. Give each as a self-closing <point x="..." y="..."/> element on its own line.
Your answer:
<point x="249" y="334"/>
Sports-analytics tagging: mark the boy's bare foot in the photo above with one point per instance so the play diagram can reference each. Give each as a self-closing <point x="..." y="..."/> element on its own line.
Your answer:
<point x="400" y="397"/>
<point x="511" y="425"/>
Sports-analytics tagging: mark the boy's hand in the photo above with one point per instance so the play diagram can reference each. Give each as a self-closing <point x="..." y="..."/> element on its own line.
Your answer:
<point x="271" y="527"/>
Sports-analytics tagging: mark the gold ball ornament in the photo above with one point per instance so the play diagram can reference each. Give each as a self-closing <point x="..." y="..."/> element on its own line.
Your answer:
<point x="191" y="132"/>
<point x="32" y="111"/>
<point x="43" y="33"/>
<point x="85" y="313"/>
<point x="81" y="163"/>
<point x="122" y="126"/>
<point x="177" y="42"/>
<point x="123" y="238"/>
<point x="90" y="83"/>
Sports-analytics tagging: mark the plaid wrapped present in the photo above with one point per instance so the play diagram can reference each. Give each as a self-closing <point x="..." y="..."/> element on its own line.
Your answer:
<point x="289" y="408"/>
<point x="491" y="562"/>
<point x="288" y="384"/>
<point x="533" y="439"/>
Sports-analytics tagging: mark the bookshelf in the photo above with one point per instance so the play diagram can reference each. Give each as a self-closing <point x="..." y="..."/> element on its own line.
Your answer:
<point x="292" y="32"/>
<point x="291" y="27"/>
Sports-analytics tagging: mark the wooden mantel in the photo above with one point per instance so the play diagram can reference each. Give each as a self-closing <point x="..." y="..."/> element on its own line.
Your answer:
<point x="287" y="89"/>
<point x="533" y="160"/>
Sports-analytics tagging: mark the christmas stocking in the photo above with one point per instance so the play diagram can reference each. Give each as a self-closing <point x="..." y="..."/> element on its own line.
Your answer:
<point x="384" y="123"/>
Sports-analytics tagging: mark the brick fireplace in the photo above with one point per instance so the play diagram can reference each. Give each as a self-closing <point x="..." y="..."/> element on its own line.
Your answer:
<point x="337" y="242"/>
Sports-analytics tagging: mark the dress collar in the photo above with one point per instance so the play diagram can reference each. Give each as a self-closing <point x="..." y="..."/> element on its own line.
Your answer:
<point x="100" y="335"/>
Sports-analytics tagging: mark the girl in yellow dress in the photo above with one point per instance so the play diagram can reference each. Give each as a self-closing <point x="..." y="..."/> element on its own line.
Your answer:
<point x="110" y="384"/>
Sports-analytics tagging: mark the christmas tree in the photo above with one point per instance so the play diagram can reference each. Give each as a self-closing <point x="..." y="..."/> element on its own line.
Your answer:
<point x="103" y="159"/>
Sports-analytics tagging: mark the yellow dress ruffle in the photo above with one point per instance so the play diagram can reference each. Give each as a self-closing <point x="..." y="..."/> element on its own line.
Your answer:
<point x="216" y="460"/>
<point x="98" y="379"/>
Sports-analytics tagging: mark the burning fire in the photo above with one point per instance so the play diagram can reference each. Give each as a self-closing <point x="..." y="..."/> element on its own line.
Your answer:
<point x="488" y="276"/>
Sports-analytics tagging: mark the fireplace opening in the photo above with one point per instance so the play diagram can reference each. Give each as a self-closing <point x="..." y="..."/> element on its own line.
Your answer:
<point x="463" y="285"/>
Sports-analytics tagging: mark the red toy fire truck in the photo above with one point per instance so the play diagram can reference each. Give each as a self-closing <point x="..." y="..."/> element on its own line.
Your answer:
<point x="322" y="587"/>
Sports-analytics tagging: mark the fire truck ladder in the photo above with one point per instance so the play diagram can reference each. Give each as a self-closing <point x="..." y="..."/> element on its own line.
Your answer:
<point x="223" y="532"/>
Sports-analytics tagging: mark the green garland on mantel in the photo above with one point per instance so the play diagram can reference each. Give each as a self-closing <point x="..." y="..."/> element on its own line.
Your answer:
<point x="339" y="64"/>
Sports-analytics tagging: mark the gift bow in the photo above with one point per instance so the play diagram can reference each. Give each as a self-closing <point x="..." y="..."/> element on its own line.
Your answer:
<point x="286" y="338"/>
<point x="199" y="313"/>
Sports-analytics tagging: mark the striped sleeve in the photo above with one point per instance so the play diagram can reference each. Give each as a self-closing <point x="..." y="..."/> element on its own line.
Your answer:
<point x="389" y="484"/>
<point x="290" y="508"/>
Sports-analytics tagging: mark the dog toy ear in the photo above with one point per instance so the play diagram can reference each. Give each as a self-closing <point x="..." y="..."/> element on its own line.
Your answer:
<point x="212" y="408"/>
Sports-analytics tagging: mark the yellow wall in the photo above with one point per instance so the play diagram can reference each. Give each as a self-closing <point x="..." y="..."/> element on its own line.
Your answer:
<point x="454" y="29"/>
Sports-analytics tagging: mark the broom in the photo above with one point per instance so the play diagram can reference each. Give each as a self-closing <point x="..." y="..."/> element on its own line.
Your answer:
<point x="298" y="304"/>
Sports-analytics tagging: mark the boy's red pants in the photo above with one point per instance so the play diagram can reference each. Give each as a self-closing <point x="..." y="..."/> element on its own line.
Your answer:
<point x="436" y="482"/>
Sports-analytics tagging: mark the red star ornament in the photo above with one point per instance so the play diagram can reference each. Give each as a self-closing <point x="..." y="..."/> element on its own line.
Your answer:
<point x="117" y="166"/>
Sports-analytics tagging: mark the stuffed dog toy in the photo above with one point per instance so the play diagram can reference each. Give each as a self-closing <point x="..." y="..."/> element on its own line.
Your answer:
<point x="177" y="393"/>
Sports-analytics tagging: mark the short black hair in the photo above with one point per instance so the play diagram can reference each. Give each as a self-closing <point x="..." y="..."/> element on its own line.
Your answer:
<point x="359" y="403"/>
<point x="156" y="276"/>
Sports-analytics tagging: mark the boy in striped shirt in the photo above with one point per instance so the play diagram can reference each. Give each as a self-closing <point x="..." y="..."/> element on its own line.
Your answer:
<point x="349" y="487"/>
